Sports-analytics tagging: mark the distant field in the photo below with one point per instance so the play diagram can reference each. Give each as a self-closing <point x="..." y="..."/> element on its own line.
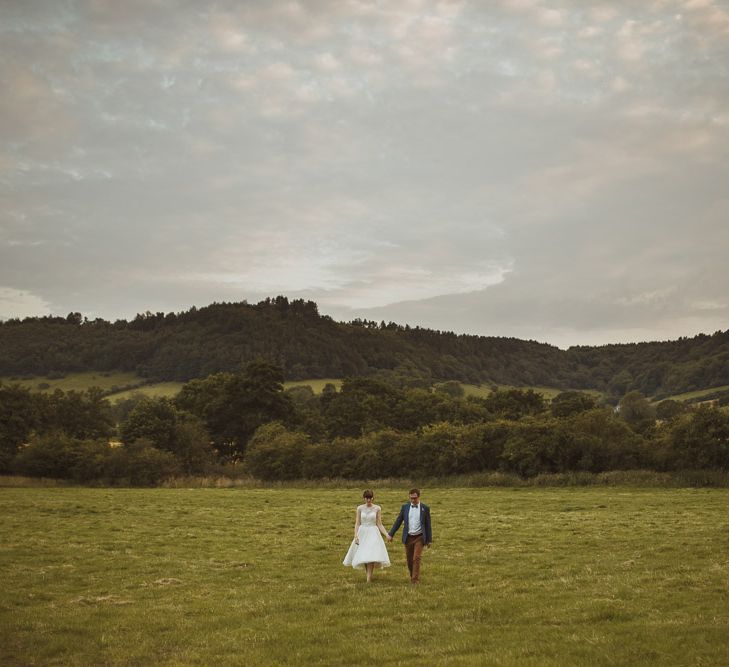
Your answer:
<point x="172" y="388"/>
<point x="156" y="390"/>
<point x="547" y="392"/>
<point x="537" y="577"/>
<point x="698" y="394"/>
<point x="484" y="390"/>
<point x="469" y="389"/>
<point x="316" y="385"/>
<point x="78" y="381"/>
<point x="106" y="381"/>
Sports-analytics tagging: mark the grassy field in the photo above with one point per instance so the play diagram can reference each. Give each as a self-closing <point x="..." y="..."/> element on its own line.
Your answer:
<point x="699" y="393"/>
<point x="316" y="385"/>
<point x="77" y="381"/>
<point x="481" y="391"/>
<point x="548" y="393"/>
<point x="83" y="381"/>
<point x="254" y="577"/>
<point x="105" y="381"/>
<point x="156" y="390"/>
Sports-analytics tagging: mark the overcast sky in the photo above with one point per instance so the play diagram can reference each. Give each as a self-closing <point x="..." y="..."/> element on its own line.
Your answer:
<point x="556" y="171"/>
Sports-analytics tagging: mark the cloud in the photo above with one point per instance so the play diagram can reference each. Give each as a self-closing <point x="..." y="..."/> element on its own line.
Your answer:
<point x="394" y="285"/>
<point x="20" y="303"/>
<point x="521" y="168"/>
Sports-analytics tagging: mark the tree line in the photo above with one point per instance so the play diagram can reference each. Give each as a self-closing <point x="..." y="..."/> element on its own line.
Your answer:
<point x="247" y="424"/>
<point x="226" y="337"/>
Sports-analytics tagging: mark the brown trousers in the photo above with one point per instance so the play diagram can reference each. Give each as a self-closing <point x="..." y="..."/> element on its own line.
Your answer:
<point x="414" y="552"/>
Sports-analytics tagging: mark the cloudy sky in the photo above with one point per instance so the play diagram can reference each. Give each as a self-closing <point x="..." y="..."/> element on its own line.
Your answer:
<point x="557" y="171"/>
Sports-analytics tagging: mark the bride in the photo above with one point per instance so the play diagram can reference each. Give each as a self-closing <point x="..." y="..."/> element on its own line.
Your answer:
<point x="368" y="548"/>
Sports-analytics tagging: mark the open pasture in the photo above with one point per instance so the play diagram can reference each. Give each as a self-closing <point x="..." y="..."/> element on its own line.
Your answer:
<point x="153" y="390"/>
<point x="698" y="394"/>
<point x="317" y="385"/>
<point x="78" y="381"/>
<point x="483" y="390"/>
<point x="569" y="576"/>
<point x="112" y="382"/>
<point x="109" y="381"/>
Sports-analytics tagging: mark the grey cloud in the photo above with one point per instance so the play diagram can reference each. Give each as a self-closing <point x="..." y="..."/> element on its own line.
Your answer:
<point x="403" y="156"/>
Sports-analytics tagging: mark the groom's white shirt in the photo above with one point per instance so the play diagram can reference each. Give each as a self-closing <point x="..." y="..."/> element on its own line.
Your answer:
<point x="414" y="526"/>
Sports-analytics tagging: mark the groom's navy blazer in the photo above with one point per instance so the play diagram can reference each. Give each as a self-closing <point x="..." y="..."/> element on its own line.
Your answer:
<point x="405" y="516"/>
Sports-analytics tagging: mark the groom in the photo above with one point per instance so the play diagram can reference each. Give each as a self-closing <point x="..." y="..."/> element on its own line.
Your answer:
<point x="416" y="534"/>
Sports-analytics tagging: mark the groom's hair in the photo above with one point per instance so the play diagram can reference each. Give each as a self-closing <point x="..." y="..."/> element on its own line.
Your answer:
<point x="415" y="491"/>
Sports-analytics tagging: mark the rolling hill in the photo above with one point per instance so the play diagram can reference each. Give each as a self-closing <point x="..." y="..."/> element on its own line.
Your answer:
<point x="227" y="336"/>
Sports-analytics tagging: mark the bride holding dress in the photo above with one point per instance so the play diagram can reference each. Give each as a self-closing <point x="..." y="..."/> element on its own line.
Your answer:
<point x="368" y="549"/>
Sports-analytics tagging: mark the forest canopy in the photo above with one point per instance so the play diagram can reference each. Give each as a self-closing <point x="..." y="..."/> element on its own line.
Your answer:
<point x="248" y="424"/>
<point x="226" y="337"/>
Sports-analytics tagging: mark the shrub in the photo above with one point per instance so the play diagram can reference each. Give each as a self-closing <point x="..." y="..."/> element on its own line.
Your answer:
<point x="139" y="464"/>
<point x="531" y="448"/>
<point x="597" y="440"/>
<point x="699" y="440"/>
<point x="275" y="453"/>
<point x="60" y="456"/>
<point x="569" y="403"/>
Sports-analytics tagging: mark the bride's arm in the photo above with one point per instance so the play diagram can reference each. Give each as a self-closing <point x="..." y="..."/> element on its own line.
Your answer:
<point x="356" y="527"/>
<point x="379" y="523"/>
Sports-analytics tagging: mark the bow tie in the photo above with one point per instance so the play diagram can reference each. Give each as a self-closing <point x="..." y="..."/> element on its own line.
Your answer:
<point x="413" y="507"/>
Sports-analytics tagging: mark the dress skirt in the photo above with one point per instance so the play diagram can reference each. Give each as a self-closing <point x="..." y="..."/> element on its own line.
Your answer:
<point x="371" y="549"/>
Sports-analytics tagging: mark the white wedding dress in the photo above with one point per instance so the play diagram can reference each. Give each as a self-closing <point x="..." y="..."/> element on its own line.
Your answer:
<point x="371" y="547"/>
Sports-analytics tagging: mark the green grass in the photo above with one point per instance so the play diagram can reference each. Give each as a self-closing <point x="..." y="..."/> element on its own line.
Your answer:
<point x="103" y="380"/>
<point x="548" y="393"/>
<point x="697" y="394"/>
<point x="106" y="381"/>
<point x="155" y="390"/>
<point x="77" y="381"/>
<point x="481" y="391"/>
<point x="316" y="385"/>
<point x="83" y="381"/>
<point x="595" y="576"/>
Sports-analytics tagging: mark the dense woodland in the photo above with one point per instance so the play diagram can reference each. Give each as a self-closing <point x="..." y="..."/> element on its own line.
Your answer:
<point x="226" y="337"/>
<point x="400" y="394"/>
<point x="247" y="424"/>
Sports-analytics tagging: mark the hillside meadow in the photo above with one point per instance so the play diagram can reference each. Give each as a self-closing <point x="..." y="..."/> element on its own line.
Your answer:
<point x="227" y="337"/>
<point x="122" y="385"/>
<point x="107" y="381"/>
<point x="516" y="576"/>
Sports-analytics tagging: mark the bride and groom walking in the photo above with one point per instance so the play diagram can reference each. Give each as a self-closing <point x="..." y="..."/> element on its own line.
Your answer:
<point x="368" y="549"/>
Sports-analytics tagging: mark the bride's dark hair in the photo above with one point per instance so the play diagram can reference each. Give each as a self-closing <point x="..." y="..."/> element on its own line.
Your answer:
<point x="368" y="494"/>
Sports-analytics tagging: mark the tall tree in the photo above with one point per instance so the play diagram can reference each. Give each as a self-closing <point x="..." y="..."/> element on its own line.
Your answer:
<point x="637" y="411"/>
<point x="18" y="417"/>
<point x="234" y="406"/>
